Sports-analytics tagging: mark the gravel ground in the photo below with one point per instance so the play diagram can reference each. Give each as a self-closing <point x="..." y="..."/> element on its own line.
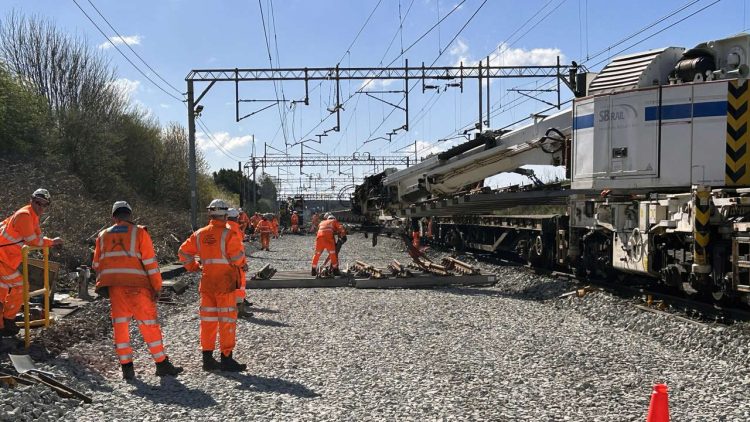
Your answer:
<point x="512" y="352"/>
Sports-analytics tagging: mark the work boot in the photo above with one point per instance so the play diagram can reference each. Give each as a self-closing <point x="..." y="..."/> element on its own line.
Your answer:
<point x="228" y="364"/>
<point x="336" y="271"/>
<point x="314" y="272"/>
<point x="242" y="310"/>
<point x="209" y="363"/>
<point x="165" y="367"/>
<point x="10" y="328"/>
<point x="128" y="371"/>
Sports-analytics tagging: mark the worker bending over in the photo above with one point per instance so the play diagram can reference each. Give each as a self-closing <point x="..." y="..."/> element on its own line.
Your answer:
<point x="221" y="257"/>
<point x="128" y="274"/>
<point x="295" y="222"/>
<point x="22" y="228"/>
<point x="240" y="294"/>
<point x="265" y="229"/>
<point x="325" y="240"/>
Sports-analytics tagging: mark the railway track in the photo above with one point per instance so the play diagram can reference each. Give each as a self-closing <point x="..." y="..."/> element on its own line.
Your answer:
<point x="644" y="293"/>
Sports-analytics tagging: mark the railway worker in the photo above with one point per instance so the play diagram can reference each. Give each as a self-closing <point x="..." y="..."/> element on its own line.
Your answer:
<point x="314" y="221"/>
<point x="128" y="274"/>
<point x="221" y="257"/>
<point x="275" y="224"/>
<point x="325" y="240"/>
<point x="265" y="229"/>
<point x="254" y="220"/>
<point x="233" y="216"/>
<point x="415" y="233"/>
<point x="22" y="228"/>
<point x="295" y="222"/>
<point x="430" y="227"/>
<point x="244" y="222"/>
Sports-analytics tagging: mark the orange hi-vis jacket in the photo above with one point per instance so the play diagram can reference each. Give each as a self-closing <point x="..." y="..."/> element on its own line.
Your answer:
<point x="243" y="221"/>
<point x="275" y="225"/>
<point x="22" y="228"/>
<point x="220" y="255"/>
<point x="327" y="228"/>
<point x="295" y="219"/>
<point x="124" y="256"/>
<point x="254" y="220"/>
<point x="264" y="227"/>
<point x="237" y="229"/>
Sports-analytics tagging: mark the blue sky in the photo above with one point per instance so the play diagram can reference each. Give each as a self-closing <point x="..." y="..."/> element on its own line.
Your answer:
<point x="174" y="36"/>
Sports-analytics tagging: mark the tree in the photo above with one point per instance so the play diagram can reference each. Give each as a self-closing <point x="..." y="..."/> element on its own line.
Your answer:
<point x="24" y="121"/>
<point x="59" y="67"/>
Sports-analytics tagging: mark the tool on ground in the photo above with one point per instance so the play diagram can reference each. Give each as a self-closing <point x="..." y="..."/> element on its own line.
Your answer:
<point x="24" y="364"/>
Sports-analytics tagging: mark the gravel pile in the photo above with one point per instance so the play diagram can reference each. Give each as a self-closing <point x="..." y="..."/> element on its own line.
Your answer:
<point x="512" y="352"/>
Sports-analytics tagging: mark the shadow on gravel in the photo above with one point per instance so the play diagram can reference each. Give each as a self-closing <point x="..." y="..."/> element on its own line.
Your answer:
<point x="264" y="310"/>
<point x="544" y="291"/>
<point x="265" y="322"/>
<point x="172" y="391"/>
<point x="260" y="384"/>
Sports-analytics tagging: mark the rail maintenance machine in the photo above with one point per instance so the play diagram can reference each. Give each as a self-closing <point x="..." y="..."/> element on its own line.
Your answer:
<point x="657" y="151"/>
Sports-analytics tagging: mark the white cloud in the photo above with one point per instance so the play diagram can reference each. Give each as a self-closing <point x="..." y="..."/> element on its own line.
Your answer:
<point x="375" y="84"/>
<point x="116" y="40"/>
<point x="509" y="56"/>
<point x="225" y="140"/>
<point x="162" y="105"/>
<point x="504" y="55"/>
<point x="126" y="87"/>
<point x="459" y="48"/>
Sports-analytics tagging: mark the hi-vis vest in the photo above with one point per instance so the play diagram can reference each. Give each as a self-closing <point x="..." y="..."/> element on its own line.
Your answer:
<point x="327" y="228"/>
<point x="220" y="256"/>
<point x="22" y="228"/>
<point x="124" y="256"/>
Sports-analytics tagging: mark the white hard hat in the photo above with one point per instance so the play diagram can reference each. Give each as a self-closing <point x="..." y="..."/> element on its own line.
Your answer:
<point x="295" y="212"/>
<point x="233" y="213"/>
<point x="217" y="208"/>
<point x="121" y="204"/>
<point x="43" y="194"/>
<point x="331" y="217"/>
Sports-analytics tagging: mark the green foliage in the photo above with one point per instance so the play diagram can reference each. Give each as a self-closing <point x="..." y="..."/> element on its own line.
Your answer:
<point x="58" y="98"/>
<point x="232" y="181"/>
<point x="24" y="118"/>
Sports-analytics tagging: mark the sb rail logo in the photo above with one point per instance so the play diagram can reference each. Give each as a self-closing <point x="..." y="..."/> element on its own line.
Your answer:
<point x="620" y="115"/>
<point x="618" y="112"/>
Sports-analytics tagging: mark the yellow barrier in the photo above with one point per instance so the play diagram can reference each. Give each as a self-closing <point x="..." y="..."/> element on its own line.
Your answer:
<point x="27" y="295"/>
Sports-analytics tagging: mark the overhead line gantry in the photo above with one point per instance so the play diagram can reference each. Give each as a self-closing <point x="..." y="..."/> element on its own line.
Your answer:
<point x="482" y="72"/>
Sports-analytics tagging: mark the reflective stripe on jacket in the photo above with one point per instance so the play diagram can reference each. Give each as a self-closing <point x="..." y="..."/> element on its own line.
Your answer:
<point x="220" y="255"/>
<point x="124" y="256"/>
<point x="327" y="228"/>
<point x="21" y="228"/>
<point x="264" y="227"/>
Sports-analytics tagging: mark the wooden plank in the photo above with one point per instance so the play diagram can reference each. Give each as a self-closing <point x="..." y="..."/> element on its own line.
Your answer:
<point x="426" y="280"/>
<point x="297" y="279"/>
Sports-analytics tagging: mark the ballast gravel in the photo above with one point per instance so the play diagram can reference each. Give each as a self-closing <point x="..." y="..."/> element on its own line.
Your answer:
<point x="516" y="351"/>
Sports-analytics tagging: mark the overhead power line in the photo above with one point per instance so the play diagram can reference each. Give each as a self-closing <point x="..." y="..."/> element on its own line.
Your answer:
<point x="123" y="54"/>
<point x="132" y="49"/>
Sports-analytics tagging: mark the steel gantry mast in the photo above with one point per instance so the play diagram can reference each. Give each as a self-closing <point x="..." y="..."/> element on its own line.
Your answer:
<point x="453" y="75"/>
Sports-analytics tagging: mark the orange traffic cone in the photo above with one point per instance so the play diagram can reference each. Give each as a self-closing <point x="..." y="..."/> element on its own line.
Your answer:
<point x="658" y="410"/>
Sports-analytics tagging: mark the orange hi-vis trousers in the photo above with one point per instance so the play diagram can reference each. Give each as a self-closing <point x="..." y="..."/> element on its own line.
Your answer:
<point x="325" y="243"/>
<point x="135" y="302"/>
<point x="218" y="314"/>
<point x="265" y="240"/>
<point x="11" y="292"/>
